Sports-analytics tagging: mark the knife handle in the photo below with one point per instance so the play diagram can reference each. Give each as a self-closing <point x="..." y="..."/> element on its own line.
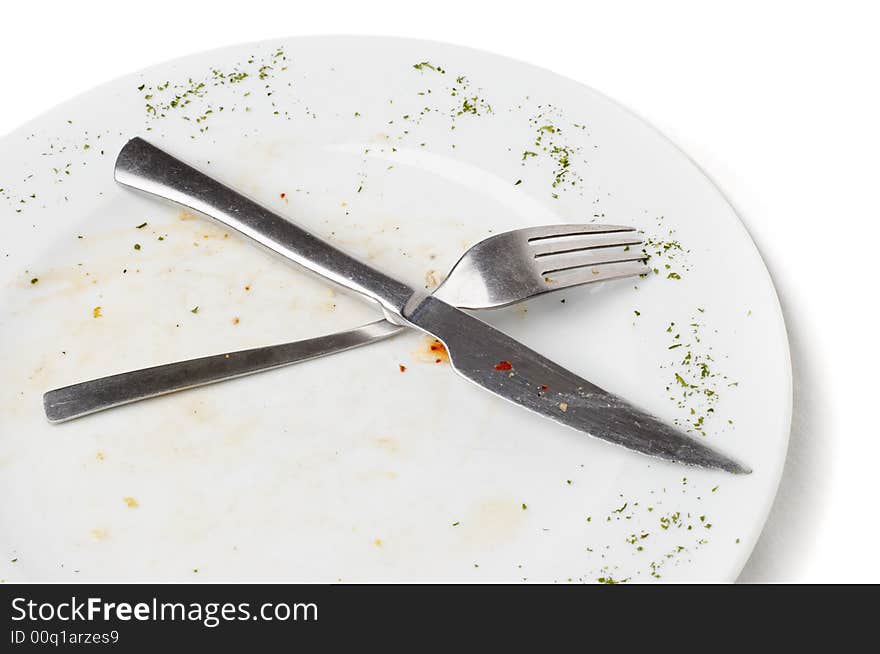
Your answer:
<point x="145" y="167"/>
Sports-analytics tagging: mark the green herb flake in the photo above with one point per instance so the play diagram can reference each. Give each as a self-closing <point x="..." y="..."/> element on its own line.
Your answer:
<point x="422" y="65"/>
<point x="611" y="580"/>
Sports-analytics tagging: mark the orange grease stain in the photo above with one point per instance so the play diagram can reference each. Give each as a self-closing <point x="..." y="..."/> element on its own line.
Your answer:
<point x="438" y="351"/>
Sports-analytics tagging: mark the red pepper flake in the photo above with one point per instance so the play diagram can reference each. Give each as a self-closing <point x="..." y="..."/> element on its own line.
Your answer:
<point x="402" y="367"/>
<point x="503" y="365"/>
<point x="283" y="195"/>
<point x="544" y="387"/>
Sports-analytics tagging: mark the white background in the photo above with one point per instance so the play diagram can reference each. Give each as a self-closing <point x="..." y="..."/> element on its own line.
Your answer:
<point x="778" y="102"/>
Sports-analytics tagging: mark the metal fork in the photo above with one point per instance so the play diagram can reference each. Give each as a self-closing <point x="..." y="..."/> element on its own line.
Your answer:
<point x="498" y="271"/>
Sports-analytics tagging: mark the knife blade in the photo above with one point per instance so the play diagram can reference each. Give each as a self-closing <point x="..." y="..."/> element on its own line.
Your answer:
<point x="478" y="352"/>
<point x="506" y="367"/>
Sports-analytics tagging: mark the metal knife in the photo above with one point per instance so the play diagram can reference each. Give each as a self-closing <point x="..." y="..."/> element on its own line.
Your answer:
<point x="478" y="352"/>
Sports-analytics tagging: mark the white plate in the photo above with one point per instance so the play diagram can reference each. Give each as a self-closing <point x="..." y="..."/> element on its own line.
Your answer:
<point x="346" y="468"/>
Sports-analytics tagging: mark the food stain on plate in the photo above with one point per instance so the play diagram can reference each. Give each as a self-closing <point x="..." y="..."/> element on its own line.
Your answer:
<point x="431" y="350"/>
<point x="490" y="523"/>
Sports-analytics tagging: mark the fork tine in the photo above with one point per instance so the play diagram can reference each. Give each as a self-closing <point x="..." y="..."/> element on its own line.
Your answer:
<point x="588" y="258"/>
<point x="578" y="276"/>
<point x="574" y="243"/>
<point x="554" y="231"/>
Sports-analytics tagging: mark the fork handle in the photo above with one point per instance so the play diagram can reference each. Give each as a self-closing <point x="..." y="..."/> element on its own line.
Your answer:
<point x="88" y="397"/>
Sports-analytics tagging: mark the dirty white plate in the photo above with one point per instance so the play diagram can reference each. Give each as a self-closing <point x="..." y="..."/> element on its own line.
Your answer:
<point x="346" y="468"/>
